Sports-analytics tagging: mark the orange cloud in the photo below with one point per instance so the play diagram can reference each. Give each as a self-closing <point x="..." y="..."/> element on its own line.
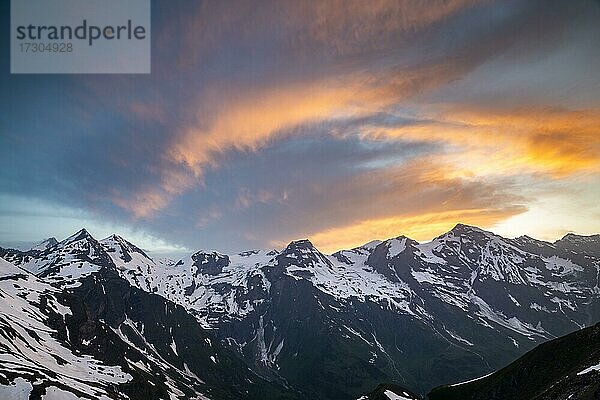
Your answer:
<point x="249" y="120"/>
<point x="554" y="142"/>
<point x="142" y="204"/>
<point x="145" y="202"/>
<point x="243" y="118"/>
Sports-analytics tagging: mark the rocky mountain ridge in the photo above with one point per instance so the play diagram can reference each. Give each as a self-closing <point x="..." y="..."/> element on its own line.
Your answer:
<point x="334" y="326"/>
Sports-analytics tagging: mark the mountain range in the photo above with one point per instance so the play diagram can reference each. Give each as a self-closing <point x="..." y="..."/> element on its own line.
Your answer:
<point x="103" y="319"/>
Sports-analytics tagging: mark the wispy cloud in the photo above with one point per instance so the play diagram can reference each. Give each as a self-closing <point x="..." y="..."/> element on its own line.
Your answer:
<point x="535" y="140"/>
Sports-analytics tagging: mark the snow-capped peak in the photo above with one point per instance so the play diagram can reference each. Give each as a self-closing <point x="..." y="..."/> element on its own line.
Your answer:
<point x="299" y="248"/>
<point x="124" y="248"/>
<point x="81" y="243"/>
<point x="397" y="245"/>
<point x="302" y="253"/>
<point x="68" y="261"/>
<point x="45" y="244"/>
<point x="300" y="244"/>
<point x="81" y="234"/>
<point x="500" y="283"/>
<point x="467" y="230"/>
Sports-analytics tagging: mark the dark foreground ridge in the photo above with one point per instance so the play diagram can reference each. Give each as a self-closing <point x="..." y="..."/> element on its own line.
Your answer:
<point x="561" y="369"/>
<point x="567" y="368"/>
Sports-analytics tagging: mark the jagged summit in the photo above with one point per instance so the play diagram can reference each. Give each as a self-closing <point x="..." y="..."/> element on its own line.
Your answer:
<point x="119" y="244"/>
<point x="580" y="244"/>
<point x="572" y="237"/>
<point x="301" y="243"/>
<point x="526" y="238"/>
<point x="65" y="263"/>
<point x="397" y="245"/>
<point x="464" y="229"/>
<point x="300" y="248"/>
<point x="79" y="235"/>
<point x="462" y="233"/>
<point x="302" y="253"/>
<point x="45" y="244"/>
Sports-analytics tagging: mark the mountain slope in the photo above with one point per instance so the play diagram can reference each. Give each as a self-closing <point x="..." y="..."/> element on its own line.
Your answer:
<point x="103" y="338"/>
<point x="32" y="351"/>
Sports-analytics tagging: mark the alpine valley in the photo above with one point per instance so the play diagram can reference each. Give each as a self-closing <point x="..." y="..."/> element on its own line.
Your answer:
<point x="101" y="319"/>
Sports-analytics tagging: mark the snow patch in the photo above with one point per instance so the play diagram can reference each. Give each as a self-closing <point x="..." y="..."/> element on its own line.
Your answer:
<point x="593" y="368"/>
<point x="19" y="389"/>
<point x="393" y="396"/>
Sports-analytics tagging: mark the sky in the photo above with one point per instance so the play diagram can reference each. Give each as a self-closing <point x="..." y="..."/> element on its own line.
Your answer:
<point x="339" y="121"/>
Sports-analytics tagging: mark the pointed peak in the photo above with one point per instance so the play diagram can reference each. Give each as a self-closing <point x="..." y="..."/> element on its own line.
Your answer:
<point x="79" y="235"/>
<point x="301" y="243"/>
<point x="45" y="244"/>
<point x="525" y="237"/>
<point x="525" y="242"/>
<point x="400" y="239"/>
<point x="126" y="246"/>
<point x="404" y="238"/>
<point x="300" y="246"/>
<point x="302" y="253"/>
<point x="465" y="230"/>
<point x="114" y="238"/>
<point x="529" y="239"/>
<point x="460" y="227"/>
